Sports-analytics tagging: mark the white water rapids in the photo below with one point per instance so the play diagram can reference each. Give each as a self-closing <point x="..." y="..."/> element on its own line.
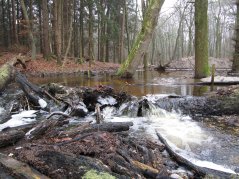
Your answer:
<point x="185" y="136"/>
<point x="22" y="118"/>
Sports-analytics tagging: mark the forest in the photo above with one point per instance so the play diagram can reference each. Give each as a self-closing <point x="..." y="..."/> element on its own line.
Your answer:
<point x="106" y="30"/>
<point x="105" y="89"/>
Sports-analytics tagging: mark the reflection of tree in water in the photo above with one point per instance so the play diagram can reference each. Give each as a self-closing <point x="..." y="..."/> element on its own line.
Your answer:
<point x="200" y="90"/>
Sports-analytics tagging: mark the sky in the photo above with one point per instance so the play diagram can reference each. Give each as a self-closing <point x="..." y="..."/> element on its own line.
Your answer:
<point x="168" y="4"/>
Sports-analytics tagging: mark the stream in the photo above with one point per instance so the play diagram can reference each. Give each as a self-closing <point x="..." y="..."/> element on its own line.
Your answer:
<point x="202" y="145"/>
<point x="199" y="142"/>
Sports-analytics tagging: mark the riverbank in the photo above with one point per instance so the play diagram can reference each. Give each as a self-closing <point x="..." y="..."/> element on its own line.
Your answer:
<point x="42" y="68"/>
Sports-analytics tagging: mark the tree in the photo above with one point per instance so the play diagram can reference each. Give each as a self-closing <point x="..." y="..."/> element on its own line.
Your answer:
<point x="143" y="39"/>
<point x="30" y="33"/>
<point x="235" y="64"/>
<point x="46" y="43"/>
<point x="57" y="27"/>
<point x="14" y="27"/>
<point x="201" y="39"/>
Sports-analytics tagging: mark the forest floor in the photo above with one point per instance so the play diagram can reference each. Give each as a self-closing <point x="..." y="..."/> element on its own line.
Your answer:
<point x="42" y="67"/>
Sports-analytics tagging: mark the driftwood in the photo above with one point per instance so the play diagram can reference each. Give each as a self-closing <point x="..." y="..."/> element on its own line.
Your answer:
<point x="10" y="137"/>
<point x="76" y="130"/>
<point x="44" y="127"/>
<point x="109" y="127"/>
<point x="200" y="171"/>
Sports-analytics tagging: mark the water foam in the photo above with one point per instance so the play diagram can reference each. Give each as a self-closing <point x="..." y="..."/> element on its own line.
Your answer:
<point x="24" y="117"/>
<point x="1" y="110"/>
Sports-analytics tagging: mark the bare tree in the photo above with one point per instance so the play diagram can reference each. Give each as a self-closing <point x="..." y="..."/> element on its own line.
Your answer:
<point x="30" y="33"/>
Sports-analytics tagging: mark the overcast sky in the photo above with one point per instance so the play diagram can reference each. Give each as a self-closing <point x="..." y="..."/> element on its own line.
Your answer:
<point x="168" y="4"/>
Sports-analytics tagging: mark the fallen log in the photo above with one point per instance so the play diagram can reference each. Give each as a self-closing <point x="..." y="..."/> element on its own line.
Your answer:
<point x="145" y="169"/>
<point x="18" y="169"/>
<point x="44" y="127"/>
<point x="7" y="71"/>
<point x="10" y="137"/>
<point x="60" y="165"/>
<point x="200" y="171"/>
<point x="76" y="130"/>
<point x="5" y="75"/>
<point x="109" y="127"/>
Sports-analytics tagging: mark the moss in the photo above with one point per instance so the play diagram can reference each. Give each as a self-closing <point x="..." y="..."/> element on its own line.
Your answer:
<point x="93" y="174"/>
<point x="202" y="68"/>
<point x="4" y="75"/>
<point x="149" y="23"/>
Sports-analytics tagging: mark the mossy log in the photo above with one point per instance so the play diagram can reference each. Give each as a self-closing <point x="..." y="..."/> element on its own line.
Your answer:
<point x="7" y="70"/>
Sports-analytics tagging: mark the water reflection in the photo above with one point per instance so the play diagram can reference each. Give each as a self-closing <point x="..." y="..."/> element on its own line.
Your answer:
<point x="149" y="82"/>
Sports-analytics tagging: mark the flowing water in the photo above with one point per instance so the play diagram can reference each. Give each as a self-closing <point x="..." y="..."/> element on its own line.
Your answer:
<point x="196" y="141"/>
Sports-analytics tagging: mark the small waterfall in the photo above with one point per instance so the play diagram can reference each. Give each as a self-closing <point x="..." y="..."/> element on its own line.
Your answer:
<point x="185" y="136"/>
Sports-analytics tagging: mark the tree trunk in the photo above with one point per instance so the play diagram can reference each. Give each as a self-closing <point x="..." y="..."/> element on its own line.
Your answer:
<point x="143" y="39"/>
<point x="14" y="27"/>
<point x="179" y="33"/>
<point x="9" y="35"/>
<point x="57" y="16"/>
<point x="90" y="31"/>
<point x="201" y="39"/>
<point x="5" y="42"/>
<point x="46" y="43"/>
<point x="30" y="33"/>
<point x="70" y="29"/>
<point x="82" y="53"/>
<point x="235" y="64"/>
<point x="121" y="40"/>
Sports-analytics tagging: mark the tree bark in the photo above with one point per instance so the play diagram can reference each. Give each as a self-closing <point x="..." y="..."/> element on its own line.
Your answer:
<point x="121" y="39"/>
<point x="201" y="39"/>
<point x="46" y="43"/>
<point x="14" y="27"/>
<point x="57" y="22"/>
<point x="235" y="64"/>
<point x="70" y="30"/>
<point x="30" y="33"/>
<point x="143" y="39"/>
<point x="90" y="31"/>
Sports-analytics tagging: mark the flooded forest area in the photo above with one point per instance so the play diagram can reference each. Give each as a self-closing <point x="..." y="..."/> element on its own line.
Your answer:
<point x="99" y="89"/>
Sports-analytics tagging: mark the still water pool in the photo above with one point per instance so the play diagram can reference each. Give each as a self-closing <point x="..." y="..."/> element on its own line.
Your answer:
<point x="149" y="82"/>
